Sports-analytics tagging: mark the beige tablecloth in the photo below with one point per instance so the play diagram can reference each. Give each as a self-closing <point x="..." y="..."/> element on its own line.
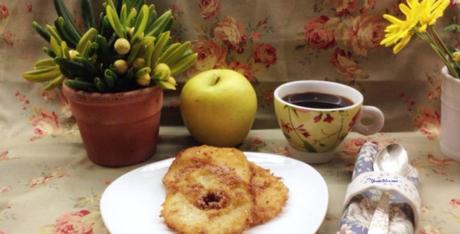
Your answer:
<point x="50" y="186"/>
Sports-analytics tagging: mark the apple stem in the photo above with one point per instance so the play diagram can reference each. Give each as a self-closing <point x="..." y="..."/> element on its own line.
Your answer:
<point x="217" y="80"/>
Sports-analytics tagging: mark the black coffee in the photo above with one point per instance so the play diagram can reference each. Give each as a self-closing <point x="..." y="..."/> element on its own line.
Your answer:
<point x="318" y="100"/>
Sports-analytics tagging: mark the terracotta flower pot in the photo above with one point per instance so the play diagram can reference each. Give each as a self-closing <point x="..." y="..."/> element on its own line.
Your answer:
<point x="118" y="129"/>
<point x="450" y="116"/>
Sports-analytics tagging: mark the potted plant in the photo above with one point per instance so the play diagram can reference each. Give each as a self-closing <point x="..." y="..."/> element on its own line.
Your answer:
<point x="112" y="72"/>
<point x="420" y="19"/>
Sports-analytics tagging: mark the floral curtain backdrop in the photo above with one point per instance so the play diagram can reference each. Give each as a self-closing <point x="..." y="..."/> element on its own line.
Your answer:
<point x="270" y="42"/>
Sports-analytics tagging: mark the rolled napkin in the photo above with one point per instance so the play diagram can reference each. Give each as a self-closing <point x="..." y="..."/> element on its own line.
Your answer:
<point x="365" y="190"/>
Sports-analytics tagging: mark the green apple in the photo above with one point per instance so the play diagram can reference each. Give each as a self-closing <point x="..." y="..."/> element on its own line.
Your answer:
<point x="218" y="107"/>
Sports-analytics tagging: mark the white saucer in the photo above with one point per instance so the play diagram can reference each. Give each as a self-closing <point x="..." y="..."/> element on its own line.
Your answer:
<point x="312" y="158"/>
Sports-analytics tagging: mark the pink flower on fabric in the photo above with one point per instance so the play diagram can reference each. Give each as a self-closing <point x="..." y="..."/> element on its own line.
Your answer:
<point x="455" y="202"/>
<point x="440" y="162"/>
<point x="343" y="7"/>
<point x="210" y="55"/>
<point x="244" y="69"/>
<point x="265" y="54"/>
<point x="255" y="36"/>
<point x="5" y="189"/>
<point x="428" y="229"/>
<point x="73" y="223"/>
<point x="208" y="8"/>
<point x="345" y="65"/>
<point x="4" y="12"/>
<point x="4" y="155"/>
<point x="29" y="7"/>
<point x="428" y="122"/>
<point x="45" y="123"/>
<point x="45" y="179"/>
<point x="8" y="38"/>
<point x="365" y="33"/>
<point x="352" y="146"/>
<point x="230" y="31"/>
<point x="317" y="34"/>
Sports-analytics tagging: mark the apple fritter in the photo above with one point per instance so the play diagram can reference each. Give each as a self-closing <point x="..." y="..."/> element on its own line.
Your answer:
<point x="194" y="157"/>
<point x="209" y="199"/>
<point x="269" y="195"/>
<point x="217" y="191"/>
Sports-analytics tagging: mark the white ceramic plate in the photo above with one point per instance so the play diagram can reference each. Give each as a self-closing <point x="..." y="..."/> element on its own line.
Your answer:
<point x="132" y="203"/>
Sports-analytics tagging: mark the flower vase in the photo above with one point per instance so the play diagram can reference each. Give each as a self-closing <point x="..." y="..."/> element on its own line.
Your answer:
<point x="117" y="129"/>
<point x="450" y="116"/>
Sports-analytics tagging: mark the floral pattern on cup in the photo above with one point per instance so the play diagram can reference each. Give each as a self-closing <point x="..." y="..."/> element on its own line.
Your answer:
<point x="315" y="131"/>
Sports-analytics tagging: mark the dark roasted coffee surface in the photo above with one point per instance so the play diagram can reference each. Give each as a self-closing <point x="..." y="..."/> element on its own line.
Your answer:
<point x="318" y="100"/>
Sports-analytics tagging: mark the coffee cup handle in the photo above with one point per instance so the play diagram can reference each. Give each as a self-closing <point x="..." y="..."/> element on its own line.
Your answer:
<point x="377" y="120"/>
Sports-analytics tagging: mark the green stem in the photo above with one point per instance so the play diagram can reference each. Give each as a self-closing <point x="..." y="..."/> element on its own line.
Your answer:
<point x="454" y="63"/>
<point x="450" y="62"/>
<point x="442" y="53"/>
<point x="438" y="39"/>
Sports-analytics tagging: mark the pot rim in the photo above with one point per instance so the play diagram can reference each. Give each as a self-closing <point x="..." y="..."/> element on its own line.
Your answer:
<point x="117" y="98"/>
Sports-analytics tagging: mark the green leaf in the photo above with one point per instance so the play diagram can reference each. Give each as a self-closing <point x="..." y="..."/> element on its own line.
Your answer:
<point x="80" y="85"/>
<point x="62" y="10"/>
<point x="114" y="21"/>
<point x="452" y="28"/>
<point x="87" y="12"/>
<point x="166" y="85"/>
<point x="100" y="85"/>
<point x="141" y="22"/>
<point x="41" y="31"/>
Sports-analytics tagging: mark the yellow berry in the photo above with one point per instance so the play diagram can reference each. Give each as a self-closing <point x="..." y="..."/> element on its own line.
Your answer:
<point x="456" y="56"/>
<point x="144" y="80"/>
<point x="139" y="63"/>
<point x="162" y="71"/>
<point x="122" y="46"/>
<point x="121" y="66"/>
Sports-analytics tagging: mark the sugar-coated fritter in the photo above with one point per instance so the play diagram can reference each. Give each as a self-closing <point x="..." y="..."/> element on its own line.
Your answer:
<point x="209" y="199"/>
<point x="227" y="158"/>
<point x="269" y="193"/>
<point x="214" y="190"/>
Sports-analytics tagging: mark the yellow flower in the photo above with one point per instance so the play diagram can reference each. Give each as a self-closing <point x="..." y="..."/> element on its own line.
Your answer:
<point x="430" y="11"/>
<point x="419" y="15"/>
<point x="400" y="32"/>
